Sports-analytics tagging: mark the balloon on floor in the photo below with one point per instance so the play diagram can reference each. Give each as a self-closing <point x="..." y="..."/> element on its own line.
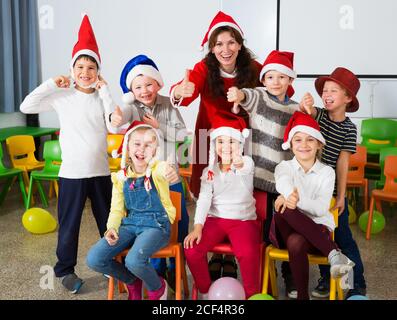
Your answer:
<point x="378" y="222"/>
<point x="226" y="288"/>
<point x="261" y="296"/>
<point x="38" y="221"/>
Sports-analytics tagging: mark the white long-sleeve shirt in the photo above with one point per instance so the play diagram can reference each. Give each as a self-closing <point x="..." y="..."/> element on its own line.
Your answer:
<point x="314" y="187"/>
<point x="229" y="195"/>
<point x="84" y="119"/>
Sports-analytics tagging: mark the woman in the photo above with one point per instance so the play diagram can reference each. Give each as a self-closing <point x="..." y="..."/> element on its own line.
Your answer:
<point x="228" y="63"/>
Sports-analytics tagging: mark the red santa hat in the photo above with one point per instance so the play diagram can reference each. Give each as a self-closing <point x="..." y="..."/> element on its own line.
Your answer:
<point x="123" y="149"/>
<point x="221" y="20"/>
<point x="301" y="122"/>
<point x="281" y="61"/>
<point x="86" y="43"/>
<point x="225" y="124"/>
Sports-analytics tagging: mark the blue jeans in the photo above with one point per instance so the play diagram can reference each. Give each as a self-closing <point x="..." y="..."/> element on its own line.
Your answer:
<point x="144" y="241"/>
<point x="344" y="240"/>
<point x="183" y="228"/>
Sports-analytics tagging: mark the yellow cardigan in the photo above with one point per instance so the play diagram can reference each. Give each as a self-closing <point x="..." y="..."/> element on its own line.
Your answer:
<point x="118" y="210"/>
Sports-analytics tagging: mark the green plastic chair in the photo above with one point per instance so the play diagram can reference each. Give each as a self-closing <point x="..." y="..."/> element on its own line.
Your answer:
<point x="10" y="175"/>
<point x="378" y="134"/>
<point x="383" y="154"/>
<point x="53" y="157"/>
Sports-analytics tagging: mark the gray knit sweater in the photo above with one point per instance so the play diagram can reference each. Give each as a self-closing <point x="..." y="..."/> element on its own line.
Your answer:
<point x="268" y="119"/>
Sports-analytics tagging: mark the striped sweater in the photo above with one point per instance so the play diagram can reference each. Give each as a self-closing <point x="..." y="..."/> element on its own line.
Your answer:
<point x="268" y="119"/>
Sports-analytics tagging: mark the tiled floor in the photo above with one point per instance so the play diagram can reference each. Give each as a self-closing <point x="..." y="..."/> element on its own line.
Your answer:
<point x="26" y="260"/>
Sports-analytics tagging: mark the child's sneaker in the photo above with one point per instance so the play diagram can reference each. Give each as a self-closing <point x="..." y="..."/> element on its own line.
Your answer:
<point x="322" y="289"/>
<point x="340" y="264"/>
<point x="72" y="282"/>
<point x="290" y="288"/>
<point x="160" y="294"/>
<point x="135" y="290"/>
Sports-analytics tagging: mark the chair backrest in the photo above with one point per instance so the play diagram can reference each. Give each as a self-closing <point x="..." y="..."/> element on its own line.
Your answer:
<point x="357" y="163"/>
<point x="21" y="149"/>
<point x="391" y="174"/>
<point x="378" y="133"/>
<point x="114" y="142"/>
<point x="176" y="200"/>
<point x="52" y="155"/>
<point x="383" y="154"/>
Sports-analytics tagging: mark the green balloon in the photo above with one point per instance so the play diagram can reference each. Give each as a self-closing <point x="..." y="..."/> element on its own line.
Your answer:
<point x="378" y="222"/>
<point x="38" y="221"/>
<point x="261" y="296"/>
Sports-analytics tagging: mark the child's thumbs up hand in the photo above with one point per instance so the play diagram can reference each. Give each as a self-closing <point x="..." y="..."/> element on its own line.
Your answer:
<point x="236" y="96"/>
<point x="306" y="104"/>
<point x="170" y="172"/>
<point x="116" y="117"/>
<point x="237" y="160"/>
<point x="186" y="88"/>
<point x="293" y="199"/>
<point x="62" y="82"/>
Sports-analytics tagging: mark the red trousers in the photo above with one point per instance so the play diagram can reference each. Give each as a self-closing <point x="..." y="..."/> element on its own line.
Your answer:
<point x="245" y="239"/>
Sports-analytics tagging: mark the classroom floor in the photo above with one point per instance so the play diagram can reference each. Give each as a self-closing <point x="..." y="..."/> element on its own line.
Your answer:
<point x="26" y="260"/>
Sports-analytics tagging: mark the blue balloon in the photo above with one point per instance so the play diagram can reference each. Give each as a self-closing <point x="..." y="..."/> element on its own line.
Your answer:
<point x="357" y="297"/>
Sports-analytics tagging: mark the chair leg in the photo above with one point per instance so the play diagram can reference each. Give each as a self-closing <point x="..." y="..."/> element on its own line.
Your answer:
<point x="29" y="202"/>
<point x="265" y="282"/>
<point x="273" y="277"/>
<point x="366" y="195"/>
<point x="178" y="275"/>
<point x="369" y="223"/>
<point x="184" y="278"/>
<point x="56" y="188"/>
<point x="6" y="189"/>
<point x="332" y="289"/>
<point x="378" y="205"/>
<point x="111" y="288"/>
<point x="23" y="191"/>
<point x="339" y="289"/>
<point x="42" y="194"/>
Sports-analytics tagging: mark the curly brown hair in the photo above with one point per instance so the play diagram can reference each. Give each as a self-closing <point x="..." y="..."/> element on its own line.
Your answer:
<point x="247" y="72"/>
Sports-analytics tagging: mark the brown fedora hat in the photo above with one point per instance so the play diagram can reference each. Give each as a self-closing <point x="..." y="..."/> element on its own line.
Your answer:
<point x="347" y="80"/>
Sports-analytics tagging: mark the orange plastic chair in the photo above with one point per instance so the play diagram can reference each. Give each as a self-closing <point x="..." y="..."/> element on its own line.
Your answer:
<point x="355" y="175"/>
<point x="388" y="193"/>
<point x="226" y="247"/>
<point x="173" y="249"/>
<point x="272" y="254"/>
<point x="186" y="174"/>
<point x="21" y="151"/>
<point x="114" y="142"/>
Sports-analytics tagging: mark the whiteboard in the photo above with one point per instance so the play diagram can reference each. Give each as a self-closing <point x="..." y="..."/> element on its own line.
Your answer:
<point x="357" y="34"/>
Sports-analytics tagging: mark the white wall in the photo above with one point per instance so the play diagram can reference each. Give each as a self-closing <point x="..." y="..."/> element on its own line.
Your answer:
<point x="171" y="32"/>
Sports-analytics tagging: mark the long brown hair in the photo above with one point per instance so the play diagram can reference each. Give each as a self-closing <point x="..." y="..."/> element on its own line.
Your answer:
<point x="247" y="72"/>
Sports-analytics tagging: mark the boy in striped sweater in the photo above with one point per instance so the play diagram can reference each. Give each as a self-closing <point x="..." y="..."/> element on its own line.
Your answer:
<point x="338" y="92"/>
<point x="270" y="109"/>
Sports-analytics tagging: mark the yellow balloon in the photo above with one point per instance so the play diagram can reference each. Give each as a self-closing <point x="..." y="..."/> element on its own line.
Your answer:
<point x="38" y="221"/>
<point x="352" y="215"/>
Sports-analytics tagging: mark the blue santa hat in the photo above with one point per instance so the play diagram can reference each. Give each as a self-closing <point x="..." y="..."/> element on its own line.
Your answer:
<point x="139" y="65"/>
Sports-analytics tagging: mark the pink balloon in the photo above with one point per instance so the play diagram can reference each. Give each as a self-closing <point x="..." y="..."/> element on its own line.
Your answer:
<point x="226" y="288"/>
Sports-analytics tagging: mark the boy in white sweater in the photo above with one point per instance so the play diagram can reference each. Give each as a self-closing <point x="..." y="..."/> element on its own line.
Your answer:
<point x="226" y="207"/>
<point x="83" y="111"/>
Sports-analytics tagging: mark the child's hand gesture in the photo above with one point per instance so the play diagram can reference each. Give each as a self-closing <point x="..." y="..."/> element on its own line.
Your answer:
<point x="116" y="117"/>
<point x="306" y="104"/>
<point x="150" y="120"/>
<point x="235" y="95"/>
<point x="111" y="237"/>
<point x="101" y="83"/>
<point x="293" y="199"/>
<point x="195" y="235"/>
<point x="280" y="204"/>
<point x="170" y="172"/>
<point x="185" y="89"/>
<point x="237" y="161"/>
<point x="339" y="204"/>
<point x="62" y="82"/>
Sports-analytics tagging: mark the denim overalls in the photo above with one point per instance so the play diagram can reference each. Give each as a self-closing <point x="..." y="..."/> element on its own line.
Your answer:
<point x="145" y="229"/>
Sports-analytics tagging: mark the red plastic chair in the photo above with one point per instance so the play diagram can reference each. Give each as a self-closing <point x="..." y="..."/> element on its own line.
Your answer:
<point x="226" y="247"/>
